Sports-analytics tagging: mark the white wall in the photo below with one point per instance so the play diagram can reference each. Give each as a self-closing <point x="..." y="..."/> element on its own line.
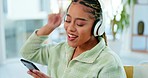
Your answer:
<point x="131" y="57"/>
<point x="2" y="37"/>
<point x="17" y="10"/>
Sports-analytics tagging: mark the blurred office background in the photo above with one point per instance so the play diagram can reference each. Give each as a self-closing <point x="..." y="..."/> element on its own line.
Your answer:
<point x="19" y="18"/>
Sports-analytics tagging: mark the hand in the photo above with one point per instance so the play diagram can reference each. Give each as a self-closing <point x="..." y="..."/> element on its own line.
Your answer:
<point x="37" y="74"/>
<point x="54" y="20"/>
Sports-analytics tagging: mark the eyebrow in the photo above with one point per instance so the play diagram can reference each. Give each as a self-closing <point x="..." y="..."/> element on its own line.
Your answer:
<point x="78" y="18"/>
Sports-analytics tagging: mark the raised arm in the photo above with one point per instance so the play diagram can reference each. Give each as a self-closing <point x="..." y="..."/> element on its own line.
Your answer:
<point x="54" y="20"/>
<point x="33" y="49"/>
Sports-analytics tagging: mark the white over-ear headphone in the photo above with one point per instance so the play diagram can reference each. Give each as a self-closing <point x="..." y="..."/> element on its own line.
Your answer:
<point x="99" y="28"/>
<point x="108" y="12"/>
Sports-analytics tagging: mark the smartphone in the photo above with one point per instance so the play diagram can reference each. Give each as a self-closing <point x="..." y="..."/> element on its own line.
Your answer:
<point x="29" y="64"/>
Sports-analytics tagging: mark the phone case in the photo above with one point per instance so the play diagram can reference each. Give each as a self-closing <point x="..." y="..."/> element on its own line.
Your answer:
<point x="29" y="64"/>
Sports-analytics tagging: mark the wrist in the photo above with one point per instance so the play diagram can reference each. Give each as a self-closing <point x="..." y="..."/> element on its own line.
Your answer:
<point x="45" y="30"/>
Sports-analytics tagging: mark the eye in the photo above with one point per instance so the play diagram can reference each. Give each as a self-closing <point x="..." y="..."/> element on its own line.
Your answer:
<point x="80" y="23"/>
<point x="68" y="21"/>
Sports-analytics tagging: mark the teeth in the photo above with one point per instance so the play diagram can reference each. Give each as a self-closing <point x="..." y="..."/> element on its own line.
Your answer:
<point x="71" y="35"/>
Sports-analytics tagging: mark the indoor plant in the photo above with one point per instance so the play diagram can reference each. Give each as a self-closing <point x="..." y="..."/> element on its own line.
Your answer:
<point x="119" y="25"/>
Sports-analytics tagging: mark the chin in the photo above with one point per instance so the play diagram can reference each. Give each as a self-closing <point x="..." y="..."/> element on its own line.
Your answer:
<point x="72" y="44"/>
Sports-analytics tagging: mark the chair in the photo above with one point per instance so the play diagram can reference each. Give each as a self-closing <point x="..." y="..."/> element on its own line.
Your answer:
<point x="129" y="71"/>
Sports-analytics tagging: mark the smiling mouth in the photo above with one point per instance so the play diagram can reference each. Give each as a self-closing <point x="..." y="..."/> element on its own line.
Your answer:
<point x="72" y="37"/>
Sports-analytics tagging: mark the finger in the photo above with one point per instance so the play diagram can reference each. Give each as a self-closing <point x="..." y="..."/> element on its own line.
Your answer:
<point x="42" y="75"/>
<point x="58" y="17"/>
<point x="33" y="74"/>
<point x="37" y="72"/>
<point x="62" y="14"/>
<point x="52" y="17"/>
<point x="57" y="20"/>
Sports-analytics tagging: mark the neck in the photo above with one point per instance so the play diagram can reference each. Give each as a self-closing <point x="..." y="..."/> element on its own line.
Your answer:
<point x="86" y="46"/>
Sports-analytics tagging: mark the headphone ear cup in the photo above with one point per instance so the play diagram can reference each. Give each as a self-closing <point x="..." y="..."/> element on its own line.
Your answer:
<point x="96" y="28"/>
<point x="99" y="28"/>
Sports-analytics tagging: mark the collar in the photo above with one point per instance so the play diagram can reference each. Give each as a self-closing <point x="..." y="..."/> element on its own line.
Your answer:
<point x="89" y="56"/>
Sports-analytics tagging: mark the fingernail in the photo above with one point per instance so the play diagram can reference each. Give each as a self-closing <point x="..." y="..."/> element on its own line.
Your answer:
<point x="34" y="70"/>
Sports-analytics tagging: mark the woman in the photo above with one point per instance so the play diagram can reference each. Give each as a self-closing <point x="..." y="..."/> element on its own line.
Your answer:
<point x="84" y="55"/>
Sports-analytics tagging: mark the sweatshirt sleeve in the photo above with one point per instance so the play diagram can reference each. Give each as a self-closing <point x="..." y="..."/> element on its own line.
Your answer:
<point x="112" y="71"/>
<point x="34" y="50"/>
<point x="112" y="68"/>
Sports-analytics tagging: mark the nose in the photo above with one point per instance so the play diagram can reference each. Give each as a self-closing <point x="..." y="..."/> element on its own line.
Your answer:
<point x="71" y="27"/>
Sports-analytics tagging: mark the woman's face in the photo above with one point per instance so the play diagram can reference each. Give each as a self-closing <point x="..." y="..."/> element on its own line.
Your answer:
<point x="78" y="25"/>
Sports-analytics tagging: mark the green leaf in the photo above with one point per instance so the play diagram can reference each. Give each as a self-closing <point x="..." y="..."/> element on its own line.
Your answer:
<point x="124" y="22"/>
<point x="134" y="2"/>
<point x="129" y="2"/>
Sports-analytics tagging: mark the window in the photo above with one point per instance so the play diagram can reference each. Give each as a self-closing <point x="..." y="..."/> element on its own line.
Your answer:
<point x="19" y="21"/>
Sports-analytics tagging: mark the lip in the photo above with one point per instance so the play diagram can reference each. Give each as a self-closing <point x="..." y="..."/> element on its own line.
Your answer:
<point x="72" y="37"/>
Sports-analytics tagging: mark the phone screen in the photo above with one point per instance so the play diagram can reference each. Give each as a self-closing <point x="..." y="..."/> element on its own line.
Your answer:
<point x="29" y="64"/>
